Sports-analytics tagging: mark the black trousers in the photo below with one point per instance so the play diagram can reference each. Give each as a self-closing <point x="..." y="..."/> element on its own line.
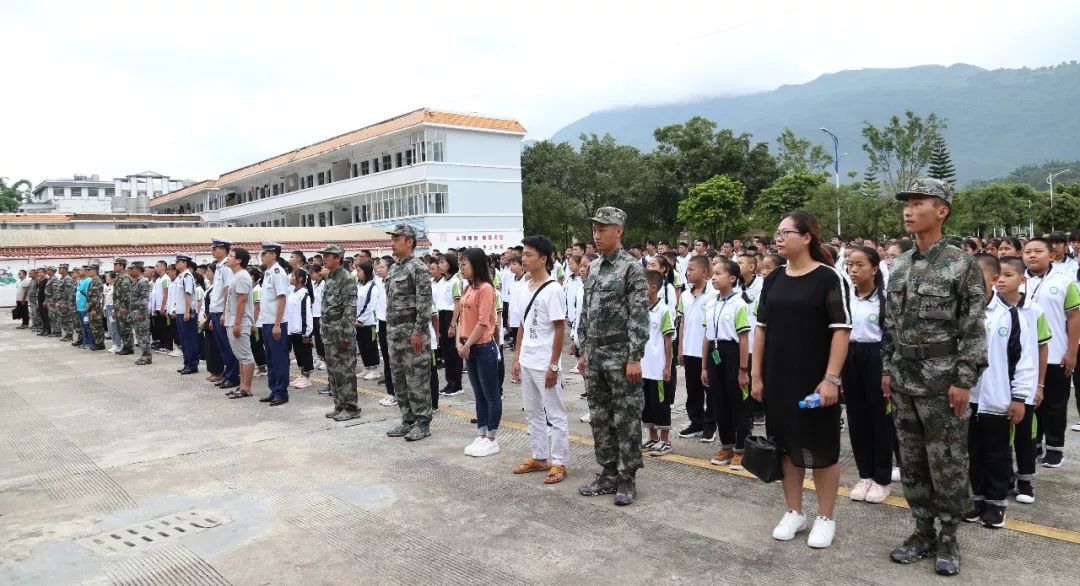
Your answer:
<point x="384" y="349"/>
<point x="1024" y="446"/>
<point x="1053" y="411"/>
<point x="659" y="397"/>
<point x="433" y="381"/>
<point x="869" y="426"/>
<point x="302" y="352"/>
<point x="258" y="352"/>
<point x="725" y="409"/>
<point x="214" y="363"/>
<point x="1076" y="380"/>
<point x="165" y="331"/>
<point x="368" y="345"/>
<point x="695" y="393"/>
<point x="317" y="332"/>
<point x="990" y="466"/>
<point x="44" y="313"/>
<point x="24" y="312"/>
<point x="451" y="361"/>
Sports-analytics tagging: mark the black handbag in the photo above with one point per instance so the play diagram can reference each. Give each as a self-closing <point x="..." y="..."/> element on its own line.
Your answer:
<point x="762" y="458"/>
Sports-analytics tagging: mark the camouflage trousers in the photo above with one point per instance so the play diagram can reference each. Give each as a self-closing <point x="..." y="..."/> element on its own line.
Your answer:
<point x="411" y="374"/>
<point x="615" y="416"/>
<point x="124" y="326"/>
<point x="57" y="320"/>
<point x="341" y="371"/>
<point x="74" y="321"/>
<point x="933" y="459"/>
<point x="97" y="326"/>
<point x="141" y="329"/>
<point x="35" y="316"/>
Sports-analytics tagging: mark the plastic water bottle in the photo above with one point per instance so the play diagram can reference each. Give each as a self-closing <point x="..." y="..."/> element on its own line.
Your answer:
<point x="812" y="401"/>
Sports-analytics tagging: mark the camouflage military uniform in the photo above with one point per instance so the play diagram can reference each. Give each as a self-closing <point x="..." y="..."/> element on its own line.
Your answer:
<point x="613" y="329"/>
<point x="58" y="316"/>
<point x="408" y="303"/>
<point x="50" y="304"/>
<point x="140" y="316"/>
<point x="69" y="316"/>
<point x="339" y="336"/>
<point x="122" y="288"/>
<point x="95" y="299"/>
<point x="933" y="339"/>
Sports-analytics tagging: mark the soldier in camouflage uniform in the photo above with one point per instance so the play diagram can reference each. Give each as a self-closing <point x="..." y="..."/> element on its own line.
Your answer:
<point x="61" y="320"/>
<point x="122" y="286"/>
<point x="339" y="334"/>
<point x="612" y="332"/>
<point x="408" y="311"/>
<point x="95" y="305"/>
<point x="933" y="352"/>
<point x="139" y="315"/>
<point x="48" y="321"/>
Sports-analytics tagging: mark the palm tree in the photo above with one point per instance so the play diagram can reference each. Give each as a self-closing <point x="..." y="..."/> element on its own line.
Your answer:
<point x="11" y="196"/>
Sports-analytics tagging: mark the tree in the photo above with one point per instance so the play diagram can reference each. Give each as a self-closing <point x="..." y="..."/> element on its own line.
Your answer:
<point x="901" y="151"/>
<point x="11" y="196"/>
<point x="941" y="166"/>
<point x="797" y="155"/>
<point x="983" y="210"/>
<point x="549" y="211"/>
<point x="788" y="193"/>
<point x="713" y="208"/>
<point x="870" y="185"/>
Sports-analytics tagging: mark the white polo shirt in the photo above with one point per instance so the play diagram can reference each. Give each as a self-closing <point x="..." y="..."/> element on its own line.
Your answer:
<point x="865" y="317"/>
<point x="724" y="319"/>
<point x="274" y="283"/>
<point x="694" y="320"/>
<point x="661" y="324"/>
<point x="1056" y="294"/>
<point x="223" y="277"/>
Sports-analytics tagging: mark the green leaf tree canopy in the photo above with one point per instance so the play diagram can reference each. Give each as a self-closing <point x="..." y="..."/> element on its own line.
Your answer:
<point x="713" y="208"/>
<point x="11" y="196"/>
<point x="901" y="150"/>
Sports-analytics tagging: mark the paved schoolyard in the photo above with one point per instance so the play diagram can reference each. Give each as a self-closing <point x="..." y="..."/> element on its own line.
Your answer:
<point x="112" y="474"/>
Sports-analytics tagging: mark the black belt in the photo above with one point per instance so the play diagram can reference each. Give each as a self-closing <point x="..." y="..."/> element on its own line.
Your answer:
<point x="926" y="351"/>
<point x="611" y="339"/>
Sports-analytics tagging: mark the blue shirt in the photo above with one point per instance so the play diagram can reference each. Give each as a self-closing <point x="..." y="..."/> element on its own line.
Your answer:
<point x="80" y="294"/>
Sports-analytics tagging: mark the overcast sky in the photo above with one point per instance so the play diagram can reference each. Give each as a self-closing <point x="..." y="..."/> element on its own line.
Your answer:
<point x="193" y="89"/>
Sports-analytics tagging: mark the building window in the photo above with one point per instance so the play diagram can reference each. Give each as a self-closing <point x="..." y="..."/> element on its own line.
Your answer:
<point x="110" y="191"/>
<point x="322" y="178"/>
<point x="387" y="162"/>
<point x="400" y="157"/>
<point x="76" y="191"/>
<point x="93" y="191"/>
<point x="322" y="219"/>
<point x="274" y="190"/>
<point x="311" y="181"/>
<point x="354" y="169"/>
<point x="375" y="165"/>
<point x="365" y="168"/>
<point x="409" y="157"/>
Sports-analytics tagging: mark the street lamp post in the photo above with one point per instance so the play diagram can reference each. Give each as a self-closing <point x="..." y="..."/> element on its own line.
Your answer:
<point x="836" y="174"/>
<point x="1050" y="180"/>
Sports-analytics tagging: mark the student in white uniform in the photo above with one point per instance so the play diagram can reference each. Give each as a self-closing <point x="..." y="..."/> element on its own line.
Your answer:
<point x="656" y="369"/>
<point x="367" y="336"/>
<point x="299" y="315"/>
<point x="694" y="300"/>
<point x="574" y="298"/>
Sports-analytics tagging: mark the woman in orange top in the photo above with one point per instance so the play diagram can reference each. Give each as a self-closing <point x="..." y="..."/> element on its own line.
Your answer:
<point x="476" y="345"/>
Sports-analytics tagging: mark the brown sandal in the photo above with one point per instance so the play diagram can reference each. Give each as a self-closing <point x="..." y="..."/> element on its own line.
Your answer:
<point x="532" y="465"/>
<point x="556" y="474"/>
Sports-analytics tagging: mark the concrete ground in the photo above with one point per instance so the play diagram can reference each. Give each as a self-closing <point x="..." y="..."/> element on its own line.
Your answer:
<point x="113" y="474"/>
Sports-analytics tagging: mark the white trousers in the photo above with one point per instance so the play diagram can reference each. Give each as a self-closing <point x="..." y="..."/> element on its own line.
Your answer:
<point x="542" y="406"/>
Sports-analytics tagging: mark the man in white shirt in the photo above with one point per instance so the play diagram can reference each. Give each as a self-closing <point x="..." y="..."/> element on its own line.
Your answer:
<point x="22" y="297"/>
<point x="273" y="329"/>
<point x="536" y="363"/>
<point x="187" y="322"/>
<point x="223" y="278"/>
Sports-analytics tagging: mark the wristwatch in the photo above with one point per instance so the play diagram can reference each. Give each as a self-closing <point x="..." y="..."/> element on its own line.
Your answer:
<point x="555" y="368"/>
<point x="831" y="378"/>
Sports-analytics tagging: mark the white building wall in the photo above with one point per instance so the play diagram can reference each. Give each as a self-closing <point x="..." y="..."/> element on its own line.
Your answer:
<point x="483" y="148"/>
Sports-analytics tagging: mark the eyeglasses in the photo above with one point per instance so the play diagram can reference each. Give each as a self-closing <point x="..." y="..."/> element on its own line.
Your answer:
<point x="782" y="234"/>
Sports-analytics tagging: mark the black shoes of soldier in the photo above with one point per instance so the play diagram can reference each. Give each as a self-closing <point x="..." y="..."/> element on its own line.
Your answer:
<point x="125" y="352"/>
<point x="948" y="556"/>
<point x="77" y="343"/>
<point x="400" y="431"/>
<point x="916" y="547"/>
<point x="419" y="431"/>
<point x="333" y="412"/>
<point x="626" y="493"/>
<point x="228" y="384"/>
<point x="143" y="361"/>
<point x="347" y="414"/>
<point x="97" y="347"/>
<point x="602" y="484"/>
<point x="188" y="371"/>
<point x="275" y="402"/>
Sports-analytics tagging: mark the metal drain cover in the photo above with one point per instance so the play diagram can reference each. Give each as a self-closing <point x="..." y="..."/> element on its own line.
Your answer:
<point x="142" y="535"/>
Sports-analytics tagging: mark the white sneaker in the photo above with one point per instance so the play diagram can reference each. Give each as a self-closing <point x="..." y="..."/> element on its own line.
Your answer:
<point x="488" y="447"/>
<point x="1075" y="427"/>
<point x="574" y="370"/>
<point x="371" y="375"/>
<point x="303" y="382"/>
<point x="470" y="450"/>
<point x="822" y="534"/>
<point x="791" y="523"/>
<point x="176" y="353"/>
<point x="260" y="372"/>
<point x="293" y="383"/>
<point x="896" y="474"/>
<point x="388" y="401"/>
<point x="858" y="492"/>
<point x="586" y="418"/>
<point x="320" y="365"/>
<point x="877" y="493"/>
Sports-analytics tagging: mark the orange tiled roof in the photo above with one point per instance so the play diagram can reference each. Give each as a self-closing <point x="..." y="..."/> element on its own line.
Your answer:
<point x="414" y="118"/>
<point x="179" y="193"/>
<point x="55" y="218"/>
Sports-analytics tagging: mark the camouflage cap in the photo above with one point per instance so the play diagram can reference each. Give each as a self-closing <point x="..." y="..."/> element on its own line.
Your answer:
<point x="610" y="216"/>
<point x="137" y="264"/>
<point x="333" y="249"/>
<point x="120" y="261"/>
<point x="403" y="230"/>
<point x="942" y="190"/>
<point x="94" y="264"/>
<point x="63" y="265"/>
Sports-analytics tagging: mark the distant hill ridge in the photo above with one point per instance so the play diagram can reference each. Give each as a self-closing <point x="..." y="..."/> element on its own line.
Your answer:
<point x="997" y="119"/>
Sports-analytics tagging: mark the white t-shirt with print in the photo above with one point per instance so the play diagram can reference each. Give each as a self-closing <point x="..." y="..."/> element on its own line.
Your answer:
<point x="539" y="333"/>
<point x="661" y="324"/>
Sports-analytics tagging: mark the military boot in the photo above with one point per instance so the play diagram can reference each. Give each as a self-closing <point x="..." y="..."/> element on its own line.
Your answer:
<point x="143" y="360"/>
<point x="347" y="414"/>
<point x="604" y="483"/>
<point x="401" y="430"/>
<point x="333" y="412"/>
<point x="948" y="554"/>
<point x="125" y="352"/>
<point x="921" y="544"/>
<point x="97" y="347"/>
<point x="627" y="491"/>
<point x="419" y="431"/>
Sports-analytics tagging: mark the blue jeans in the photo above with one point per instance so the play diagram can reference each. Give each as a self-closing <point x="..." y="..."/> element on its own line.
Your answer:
<point x="483" y="365"/>
<point x="114" y="329"/>
<point x="221" y="337"/>
<point x="277" y="360"/>
<point x="88" y="338"/>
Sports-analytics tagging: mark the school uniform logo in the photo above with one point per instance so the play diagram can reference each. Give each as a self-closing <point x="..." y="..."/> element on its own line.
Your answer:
<point x="1003" y="331"/>
<point x="1054" y="290"/>
<point x="872" y="318"/>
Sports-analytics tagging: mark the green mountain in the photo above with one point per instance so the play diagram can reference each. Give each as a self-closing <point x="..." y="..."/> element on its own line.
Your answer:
<point x="998" y="119"/>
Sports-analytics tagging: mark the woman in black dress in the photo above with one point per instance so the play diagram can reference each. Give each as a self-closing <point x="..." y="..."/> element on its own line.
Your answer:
<point x="804" y="323"/>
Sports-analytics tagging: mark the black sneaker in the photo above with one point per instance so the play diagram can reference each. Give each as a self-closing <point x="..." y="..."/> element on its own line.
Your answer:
<point x="1053" y="459"/>
<point x="692" y="431"/>
<point x="994" y="516"/>
<point x="916" y="547"/>
<point x="759" y="419"/>
<point x="602" y="484"/>
<point x="976" y="512"/>
<point x="626" y="493"/>
<point x="1024" y="492"/>
<point x="948" y="556"/>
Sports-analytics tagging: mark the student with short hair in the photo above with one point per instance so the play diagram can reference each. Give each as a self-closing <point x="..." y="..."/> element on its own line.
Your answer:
<point x="694" y="300"/>
<point x="656" y="369"/>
